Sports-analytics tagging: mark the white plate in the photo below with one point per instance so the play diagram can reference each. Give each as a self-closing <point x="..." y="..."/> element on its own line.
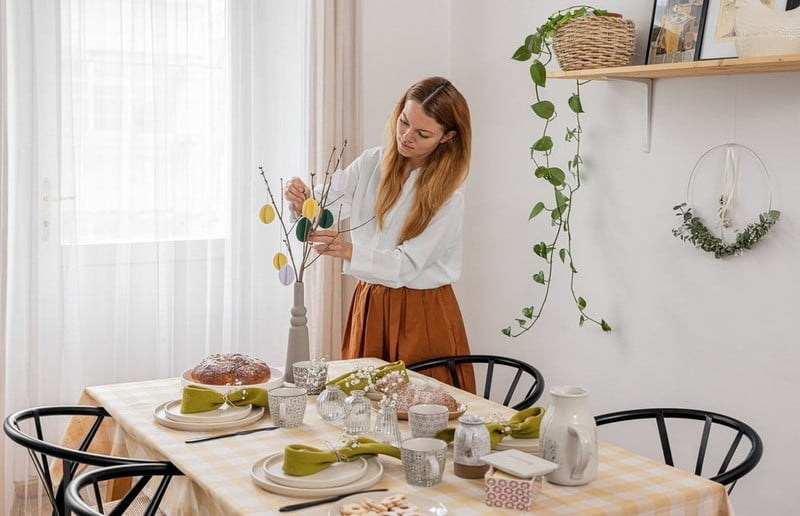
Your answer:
<point x="276" y="380"/>
<point x="371" y="476"/>
<point x="160" y="415"/>
<point x="338" y="474"/>
<point x="424" y="505"/>
<point x="222" y="414"/>
<point x="513" y="443"/>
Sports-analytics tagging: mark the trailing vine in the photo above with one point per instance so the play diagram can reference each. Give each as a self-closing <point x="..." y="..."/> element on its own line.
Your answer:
<point x="693" y="230"/>
<point x="537" y="46"/>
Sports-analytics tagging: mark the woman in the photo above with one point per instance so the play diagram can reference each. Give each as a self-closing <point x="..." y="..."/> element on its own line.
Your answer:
<point x="405" y="205"/>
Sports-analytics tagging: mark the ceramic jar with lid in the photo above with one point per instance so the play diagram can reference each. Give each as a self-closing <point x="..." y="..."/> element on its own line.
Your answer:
<point x="470" y="443"/>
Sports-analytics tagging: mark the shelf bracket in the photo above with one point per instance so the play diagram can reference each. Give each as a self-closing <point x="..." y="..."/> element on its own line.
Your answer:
<point x="647" y="90"/>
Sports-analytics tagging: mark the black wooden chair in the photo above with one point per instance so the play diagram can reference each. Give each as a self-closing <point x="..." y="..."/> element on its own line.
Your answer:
<point x="534" y="380"/>
<point x="44" y="453"/>
<point x="726" y="473"/>
<point x="84" y="498"/>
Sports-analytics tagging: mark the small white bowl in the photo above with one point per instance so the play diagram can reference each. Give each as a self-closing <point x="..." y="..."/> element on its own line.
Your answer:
<point x="276" y="380"/>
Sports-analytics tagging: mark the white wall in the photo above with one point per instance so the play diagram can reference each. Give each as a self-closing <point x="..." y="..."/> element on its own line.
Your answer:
<point x="689" y="330"/>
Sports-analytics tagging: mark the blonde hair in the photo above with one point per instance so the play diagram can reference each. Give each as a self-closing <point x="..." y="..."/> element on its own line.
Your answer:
<point x="444" y="169"/>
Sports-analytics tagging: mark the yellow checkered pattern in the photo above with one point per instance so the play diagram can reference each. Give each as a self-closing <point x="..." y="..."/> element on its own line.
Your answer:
<point x="218" y="472"/>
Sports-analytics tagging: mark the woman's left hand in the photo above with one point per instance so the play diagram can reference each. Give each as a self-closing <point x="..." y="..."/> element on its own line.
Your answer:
<point x="331" y="243"/>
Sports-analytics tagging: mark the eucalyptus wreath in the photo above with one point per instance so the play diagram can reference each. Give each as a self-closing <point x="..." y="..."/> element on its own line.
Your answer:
<point x="693" y="230"/>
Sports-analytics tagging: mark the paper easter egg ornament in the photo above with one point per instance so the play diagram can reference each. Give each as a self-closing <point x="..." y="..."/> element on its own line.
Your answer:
<point x="279" y="260"/>
<point x="286" y="274"/>
<point x="338" y="181"/>
<point x="303" y="229"/>
<point x="266" y="214"/>
<point x="326" y="218"/>
<point x="310" y="208"/>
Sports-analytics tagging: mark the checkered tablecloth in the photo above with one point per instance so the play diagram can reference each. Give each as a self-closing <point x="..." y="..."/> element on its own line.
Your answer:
<point x="218" y="472"/>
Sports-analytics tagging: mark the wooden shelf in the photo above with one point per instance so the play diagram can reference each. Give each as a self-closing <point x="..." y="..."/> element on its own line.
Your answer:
<point x="786" y="63"/>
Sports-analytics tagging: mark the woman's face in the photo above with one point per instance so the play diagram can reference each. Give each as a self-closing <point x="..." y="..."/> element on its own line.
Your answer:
<point x="417" y="133"/>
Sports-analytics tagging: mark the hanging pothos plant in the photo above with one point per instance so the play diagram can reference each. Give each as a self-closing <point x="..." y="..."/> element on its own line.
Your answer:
<point x="537" y="47"/>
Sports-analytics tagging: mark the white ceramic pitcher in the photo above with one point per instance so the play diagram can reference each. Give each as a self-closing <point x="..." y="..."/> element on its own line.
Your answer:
<point x="568" y="437"/>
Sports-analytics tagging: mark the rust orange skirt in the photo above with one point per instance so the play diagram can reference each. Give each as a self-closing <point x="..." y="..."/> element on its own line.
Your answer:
<point x="407" y="324"/>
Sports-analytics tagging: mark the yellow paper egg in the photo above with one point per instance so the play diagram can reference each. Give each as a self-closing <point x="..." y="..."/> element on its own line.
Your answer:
<point x="310" y="208"/>
<point x="279" y="260"/>
<point x="266" y="214"/>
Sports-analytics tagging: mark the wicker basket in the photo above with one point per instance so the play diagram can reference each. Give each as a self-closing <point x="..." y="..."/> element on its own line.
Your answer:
<point x="594" y="42"/>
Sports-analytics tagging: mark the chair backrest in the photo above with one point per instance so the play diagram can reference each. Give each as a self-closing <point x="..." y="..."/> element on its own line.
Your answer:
<point x="42" y="451"/>
<point x="514" y="365"/>
<point x="727" y="473"/>
<point x="140" y="474"/>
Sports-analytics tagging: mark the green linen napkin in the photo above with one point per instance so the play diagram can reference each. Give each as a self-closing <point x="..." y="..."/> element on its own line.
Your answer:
<point x="202" y="399"/>
<point x="301" y="460"/>
<point x="522" y="425"/>
<point x="362" y="377"/>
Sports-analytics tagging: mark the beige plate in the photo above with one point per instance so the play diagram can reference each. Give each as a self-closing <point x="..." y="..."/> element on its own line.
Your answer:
<point x="424" y="505"/>
<point x="160" y="415"/>
<point x="337" y="474"/>
<point x="222" y="414"/>
<point x="371" y="476"/>
<point x="403" y="415"/>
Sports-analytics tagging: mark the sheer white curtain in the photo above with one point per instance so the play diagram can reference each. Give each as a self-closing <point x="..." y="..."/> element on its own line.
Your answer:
<point x="136" y="132"/>
<point x="335" y="115"/>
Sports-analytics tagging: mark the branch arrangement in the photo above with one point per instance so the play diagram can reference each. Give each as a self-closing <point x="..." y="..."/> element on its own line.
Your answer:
<point x="315" y="213"/>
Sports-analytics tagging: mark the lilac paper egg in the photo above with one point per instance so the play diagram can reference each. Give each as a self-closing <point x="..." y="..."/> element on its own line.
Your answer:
<point x="286" y="274"/>
<point x="338" y="181"/>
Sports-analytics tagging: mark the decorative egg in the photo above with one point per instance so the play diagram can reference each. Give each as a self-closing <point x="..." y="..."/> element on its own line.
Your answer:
<point x="279" y="260"/>
<point x="303" y="229"/>
<point x="266" y="214"/>
<point x="326" y="218"/>
<point x="338" y="181"/>
<point x="310" y="208"/>
<point x="286" y="274"/>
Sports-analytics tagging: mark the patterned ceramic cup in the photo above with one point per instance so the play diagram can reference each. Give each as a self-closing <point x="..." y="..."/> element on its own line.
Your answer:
<point x="423" y="460"/>
<point x="426" y="420"/>
<point x="287" y="406"/>
<point x="310" y="375"/>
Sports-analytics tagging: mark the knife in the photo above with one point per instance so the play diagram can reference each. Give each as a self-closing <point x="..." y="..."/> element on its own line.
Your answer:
<point x="312" y="503"/>
<point x="242" y="432"/>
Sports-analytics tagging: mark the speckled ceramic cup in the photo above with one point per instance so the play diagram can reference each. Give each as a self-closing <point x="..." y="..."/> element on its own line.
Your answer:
<point x="426" y="420"/>
<point x="287" y="406"/>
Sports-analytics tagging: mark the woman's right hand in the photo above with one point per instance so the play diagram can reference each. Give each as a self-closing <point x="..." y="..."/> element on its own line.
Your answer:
<point x="296" y="192"/>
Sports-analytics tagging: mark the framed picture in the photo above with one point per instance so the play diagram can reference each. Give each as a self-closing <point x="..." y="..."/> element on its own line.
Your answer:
<point x="719" y="36"/>
<point x="675" y="31"/>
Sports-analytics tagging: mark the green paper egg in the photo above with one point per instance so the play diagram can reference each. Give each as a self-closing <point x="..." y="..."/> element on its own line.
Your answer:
<point x="303" y="229"/>
<point x="326" y="218"/>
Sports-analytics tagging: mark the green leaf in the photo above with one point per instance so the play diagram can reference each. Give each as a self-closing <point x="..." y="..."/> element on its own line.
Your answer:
<point x="538" y="207"/>
<point x="556" y="213"/>
<point x="581" y="303"/>
<point x="543" y="144"/>
<point x="506" y="331"/>
<point x="604" y="325"/>
<point x="539" y="277"/>
<point x="561" y="200"/>
<point x="528" y="312"/>
<point x="522" y="54"/>
<point x="575" y="104"/>
<point x="544" y="109"/>
<point x="538" y="73"/>
<point x="562" y="254"/>
<point x="540" y="249"/>
<point x="556" y="176"/>
<point x="581" y="320"/>
<point x="540" y="171"/>
<point x="521" y="322"/>
<point x="534" y="43"/>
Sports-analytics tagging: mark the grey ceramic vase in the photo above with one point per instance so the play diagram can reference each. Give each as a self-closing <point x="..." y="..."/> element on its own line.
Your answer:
<point x="297" y="347"/>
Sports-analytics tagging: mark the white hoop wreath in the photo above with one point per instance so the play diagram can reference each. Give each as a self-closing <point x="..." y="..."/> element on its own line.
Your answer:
<point x="694" y="231"/>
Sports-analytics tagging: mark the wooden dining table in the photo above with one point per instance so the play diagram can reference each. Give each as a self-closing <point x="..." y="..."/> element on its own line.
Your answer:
<point x="218" y="480"/>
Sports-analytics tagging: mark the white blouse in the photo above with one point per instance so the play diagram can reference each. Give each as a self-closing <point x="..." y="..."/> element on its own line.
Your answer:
<point x="429" y="260"/>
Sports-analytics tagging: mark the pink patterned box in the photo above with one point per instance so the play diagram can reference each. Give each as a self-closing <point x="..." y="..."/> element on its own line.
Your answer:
<point x="510" y="492"/>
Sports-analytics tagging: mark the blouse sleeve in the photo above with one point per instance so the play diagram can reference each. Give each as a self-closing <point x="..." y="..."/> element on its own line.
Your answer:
<point x="339" y="202"/>
<point x="399" y="266"/>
